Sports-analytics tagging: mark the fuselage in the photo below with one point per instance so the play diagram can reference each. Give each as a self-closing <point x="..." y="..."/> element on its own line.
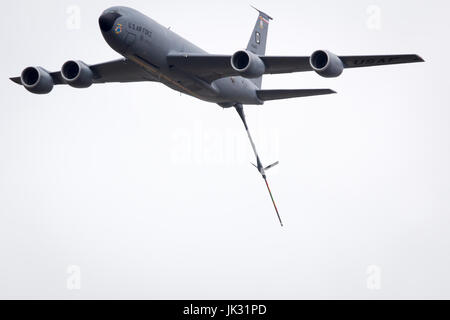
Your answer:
<point x="145" y="42"/>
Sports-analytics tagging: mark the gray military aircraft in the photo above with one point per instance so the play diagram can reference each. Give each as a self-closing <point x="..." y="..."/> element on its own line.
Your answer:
<point x="152" y="52"/>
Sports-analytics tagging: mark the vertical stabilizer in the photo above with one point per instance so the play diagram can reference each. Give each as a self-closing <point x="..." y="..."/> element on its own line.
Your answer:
<point x="258" y="39"/>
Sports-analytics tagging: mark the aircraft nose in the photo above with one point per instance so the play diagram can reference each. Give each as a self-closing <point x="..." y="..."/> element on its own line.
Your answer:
<point x="107" y="20"/>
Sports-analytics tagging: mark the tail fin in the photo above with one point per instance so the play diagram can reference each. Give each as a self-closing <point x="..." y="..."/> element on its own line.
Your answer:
<point x="258" y="39"/>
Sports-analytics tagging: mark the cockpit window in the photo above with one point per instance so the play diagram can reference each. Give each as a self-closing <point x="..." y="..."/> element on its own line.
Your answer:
<point x="107" y="20"/>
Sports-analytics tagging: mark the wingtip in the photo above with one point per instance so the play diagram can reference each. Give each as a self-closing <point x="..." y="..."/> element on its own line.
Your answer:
<point x="420" y="59"/>
<point x="329" y="91"/>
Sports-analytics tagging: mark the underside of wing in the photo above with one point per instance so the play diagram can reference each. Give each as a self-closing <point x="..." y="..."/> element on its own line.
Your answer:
<point x="211" y="67"/>
<point x="120" y="71"/>
<point x="280" y="64"/>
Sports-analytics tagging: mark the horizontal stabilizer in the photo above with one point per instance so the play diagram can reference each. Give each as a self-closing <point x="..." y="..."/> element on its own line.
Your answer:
<point x="267" y="95"/>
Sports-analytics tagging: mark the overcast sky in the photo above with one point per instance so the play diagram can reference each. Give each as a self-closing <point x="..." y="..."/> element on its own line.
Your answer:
<point x="136" y="191"/>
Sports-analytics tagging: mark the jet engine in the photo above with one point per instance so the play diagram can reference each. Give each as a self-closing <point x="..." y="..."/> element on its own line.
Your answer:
<point x="77" y="74"/>
<point x="37" y="80"/>
<point x="248" y="64"/>
<point x="326" y="64"/>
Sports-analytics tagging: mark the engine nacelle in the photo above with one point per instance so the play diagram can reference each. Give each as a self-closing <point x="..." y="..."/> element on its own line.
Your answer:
<point x="248" y="64"/>
<point x="37" y="80"/>
<point x="77" y="74"/>
<point x="326" y="64"/>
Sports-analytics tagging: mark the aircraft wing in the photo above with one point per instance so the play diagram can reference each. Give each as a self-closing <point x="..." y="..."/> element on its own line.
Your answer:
<point x="267" y="95"/>
<point x="121" y="70"/>
<point x="212" y="67"/>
